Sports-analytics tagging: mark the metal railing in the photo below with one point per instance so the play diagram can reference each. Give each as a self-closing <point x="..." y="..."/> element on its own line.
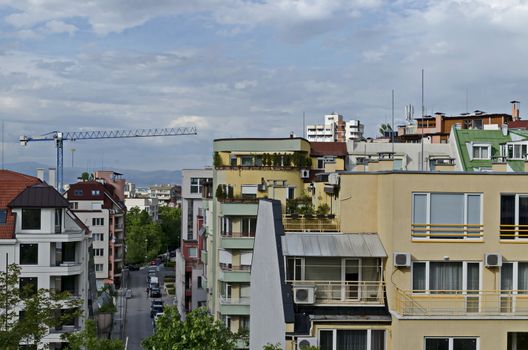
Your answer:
<point x="345" y="292"/>
<point x="238" y="234"/>
<point x="513" y="231"/>
<point x="462" y="303"/>
<point x="234" y="301"/>
<point x="310" y="224"/>
<point x="229" y="267"/>
<point x="447" y="231"/>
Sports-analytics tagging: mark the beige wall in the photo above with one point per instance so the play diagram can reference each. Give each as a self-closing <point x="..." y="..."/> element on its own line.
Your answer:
<point x="382" y="203"/>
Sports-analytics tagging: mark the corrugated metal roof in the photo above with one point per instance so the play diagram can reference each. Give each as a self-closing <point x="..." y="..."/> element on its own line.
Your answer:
<point x="340" y="245"/>
<point x="39" y="196"/>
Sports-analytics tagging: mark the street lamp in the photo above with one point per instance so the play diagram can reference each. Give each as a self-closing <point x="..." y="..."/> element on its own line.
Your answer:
<point x="146" y="249"/>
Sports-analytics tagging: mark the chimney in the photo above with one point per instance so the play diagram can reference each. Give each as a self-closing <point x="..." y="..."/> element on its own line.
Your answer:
<point x="52" y="177"/>
<point x="504" y="128"/>
<point x="40" y="173"/>
<point x="515" y="110"/>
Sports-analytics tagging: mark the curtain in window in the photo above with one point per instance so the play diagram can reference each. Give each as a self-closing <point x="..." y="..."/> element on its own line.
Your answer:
<point x="473" y="276"/>
<point x="507" y="215"/>
<point x="419" y="276"/>
<point x="507" y="276"/>
<point x="377" y="340"/>
<point x="445" y="276"/>
<point x="420" y="209"/>
<point x="351" y="340"/>
<point x="326" y="340"/>
<point x="523" y="215"/>
<point x="523" y="278"/>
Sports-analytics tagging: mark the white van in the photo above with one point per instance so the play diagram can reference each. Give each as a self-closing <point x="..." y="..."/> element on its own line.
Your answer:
<point x="154" y="282"/>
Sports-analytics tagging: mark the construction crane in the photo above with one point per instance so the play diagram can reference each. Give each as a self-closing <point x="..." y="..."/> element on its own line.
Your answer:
<point x="59" y="138"/>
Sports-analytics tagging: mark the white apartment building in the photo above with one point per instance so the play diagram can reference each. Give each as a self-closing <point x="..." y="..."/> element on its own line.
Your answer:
<point x="190" y="281"/>
<point x="47" y="240"/>
<point x="335" y="129"/>
<point x="150" y="205"/>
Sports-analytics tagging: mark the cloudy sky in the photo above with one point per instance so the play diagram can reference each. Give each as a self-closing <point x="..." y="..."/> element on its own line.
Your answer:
<point x="242" y="68"/>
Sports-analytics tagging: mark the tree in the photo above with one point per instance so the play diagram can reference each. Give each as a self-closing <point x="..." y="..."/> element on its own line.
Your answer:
<point x="199" y="331"/>
<point x="170" y="220"/>
<point x="87" y="340"/>
<point x="42" y="309"/>
<point x="385" y="128"/>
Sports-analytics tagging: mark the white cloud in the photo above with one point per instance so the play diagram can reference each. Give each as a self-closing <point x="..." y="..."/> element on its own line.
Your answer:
<point x="55" y="26"/>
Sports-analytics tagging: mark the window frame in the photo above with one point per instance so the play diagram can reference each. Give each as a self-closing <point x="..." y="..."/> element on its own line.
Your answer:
<point x="480" y="147"/>
<point x="20" y="253"/>
<point x="451" y="341"/>
<point x="369" y="336"/>
<point x="427" y="290"/>
<point x="24" y="223"/>
<point x="516" y="224"/>
<point x="446" y="237"/>
<point x="3" y="216"/>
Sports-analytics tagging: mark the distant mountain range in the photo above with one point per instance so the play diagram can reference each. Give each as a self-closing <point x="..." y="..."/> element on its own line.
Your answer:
<point x="139" y="177"/>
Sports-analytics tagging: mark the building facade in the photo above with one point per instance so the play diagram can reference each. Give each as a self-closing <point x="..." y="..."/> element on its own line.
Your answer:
<point x="335" y="129"/>
<point x="150" y="205"/>
<point x="47" y="240"/>
<point x="100" y="207"/>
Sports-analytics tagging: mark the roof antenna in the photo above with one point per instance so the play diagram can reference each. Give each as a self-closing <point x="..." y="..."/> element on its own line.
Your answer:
<point x="423" y="112"/>
<point x="304" y="126"/>
<point x="3" y="146"/>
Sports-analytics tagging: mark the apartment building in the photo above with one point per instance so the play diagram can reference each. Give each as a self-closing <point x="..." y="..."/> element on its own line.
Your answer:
<point x="150" y="205"/>
<point x="99" y="205"/>
<point x="421" y="260"/>
<point x="167" y="195"/>
<point x="47" y="240"/>
<point x="191" y="283"/>
<point x="335" y="129"/>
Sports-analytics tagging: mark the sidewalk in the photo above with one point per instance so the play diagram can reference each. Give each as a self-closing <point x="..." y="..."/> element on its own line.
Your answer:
<point x="119" y="321"/>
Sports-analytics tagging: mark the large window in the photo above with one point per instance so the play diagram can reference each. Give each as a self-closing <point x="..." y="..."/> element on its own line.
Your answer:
<point x="97" y="221"/>
<point x="451" y="343"/>
<point x="196" y="184"/>
<point x="28" y="254"/>
<point x="249" y="226"/>
<point x="28" y="286"/>
<point x="3" y="216"/>
<point x="354" y="339"/>
<point x="447" y="215"/>
<point x="516" y="151"/>
<point x="514" y="216"/>
<point x="514" y="277"/>
<point x="480" y="151"/>
<point x="30" y="219"/>
<point x="443" y="277"/>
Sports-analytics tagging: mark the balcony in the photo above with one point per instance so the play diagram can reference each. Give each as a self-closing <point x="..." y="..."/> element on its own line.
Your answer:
<point x="463" y="303"/>
<point x="237" y="240"/>
<point x="513" y="232"/>
<point x="310" y="224"/>
<point x="361" y="293"/>
<point x="447" y="231"/>
<point x="234" y="306"/>
<point x="231" y="273"/>
<point x="239" y="208"/>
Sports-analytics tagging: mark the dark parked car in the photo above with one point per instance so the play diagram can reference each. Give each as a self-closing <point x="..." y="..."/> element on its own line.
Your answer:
<point x="155" y="292"/>
<point x="156" y="307"/>
<point x="133" y="267"/>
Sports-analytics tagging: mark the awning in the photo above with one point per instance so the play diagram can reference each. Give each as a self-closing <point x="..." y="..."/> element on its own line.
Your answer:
<point x="333" y="245"/>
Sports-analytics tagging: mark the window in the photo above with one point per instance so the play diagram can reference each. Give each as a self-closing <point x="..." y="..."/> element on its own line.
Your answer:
<point x="442" y="277"/>
<point x="74" y="205"/>
<point x="97" y="236"/>
<point x="3" y="216"/>
<point x="479" y="151"/>
<point x="96" y="206"/>
<point x="514" y="277"/>
<point x="291" y="193"/>
<point x="516" y="151"/>
<point x="226" y="226"/>
<point x="193" y="252"/>
<point x="97" y="221"/>
<point x="58" y="220"/>
<point x="451" y="343"/>
<point x="199" y="283"/>
<point x="249" y="191"/>
<point x="514" y="216"/>
<point x="517" y="340"/>
<point x="367" y="339"/>
<point x="196" y="184"/>
<point x="29" y="254"/>
<point x="28" y="286"/>
<point x="98" y="267"/>
<point x="99" y="252"/>
<point x="246" y="160"/>
<point x="249" y="227"/>
<point x="78" y="192"/>
<point x="30" y="219"/>
<point x="233" y="160"/>
<point x="96" y="192"/>
<point x="294" y="269"/>
<point x="447" y="216"/>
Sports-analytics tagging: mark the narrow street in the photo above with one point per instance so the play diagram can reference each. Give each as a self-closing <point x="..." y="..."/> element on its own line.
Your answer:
<point x="139" y="323"/>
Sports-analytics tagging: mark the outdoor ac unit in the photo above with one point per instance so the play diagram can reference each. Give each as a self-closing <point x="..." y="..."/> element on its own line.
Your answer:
<point x="304" y="295"/>
<point x="262" y="188"/>
<point x="402" y="259"/>
<point x="305" y="173"/>
<point x="305" y="342"/>
<point x="492" y="260"/>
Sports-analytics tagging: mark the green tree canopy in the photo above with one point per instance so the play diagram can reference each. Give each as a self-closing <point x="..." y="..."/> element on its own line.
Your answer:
<point x="199" y="331"/>
<point x="170" y="219"/>
<point x="87" y="340"/>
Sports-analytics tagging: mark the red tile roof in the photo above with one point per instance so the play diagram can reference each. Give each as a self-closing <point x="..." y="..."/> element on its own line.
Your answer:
<point x="11" y="185"/>
<point x="338" y="149"/>
<point x="518" y="124"/>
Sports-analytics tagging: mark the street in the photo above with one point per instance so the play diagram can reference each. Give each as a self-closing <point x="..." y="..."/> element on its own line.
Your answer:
<point x="138" y="321"/>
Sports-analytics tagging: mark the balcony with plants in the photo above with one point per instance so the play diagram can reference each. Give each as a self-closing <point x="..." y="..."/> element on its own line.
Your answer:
<point x="262" y="161"/>
<point x="302" y="216"/>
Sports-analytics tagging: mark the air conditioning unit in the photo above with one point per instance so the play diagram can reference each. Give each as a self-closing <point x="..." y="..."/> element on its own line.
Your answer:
<point x="305" y="173"/>
<point x="262" y="187"/>
<point x="305" y="342"/>
<point x="492" y="260"/>
<point x="402" y="259"/>
<point x="304" y="295"/>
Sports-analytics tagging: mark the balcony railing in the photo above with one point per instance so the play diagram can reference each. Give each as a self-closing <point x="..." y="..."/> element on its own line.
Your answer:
<point x="463" y="303"/>
<point x="229" y="267"/>
<point x="513" y="231"/>
<point x="447" y="231"/>
<point x="238" y="234"/>
<point x="346" y="292"/>
<point x="310" y="224"/>
<point x="234" y="301"/>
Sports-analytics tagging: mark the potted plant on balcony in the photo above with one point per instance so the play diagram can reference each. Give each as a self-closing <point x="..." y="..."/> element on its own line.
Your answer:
<point x="217" y="160"/>
<point x="220" y="194"/>
<point x="323" y="210"/>
<point x="291" y="208"/>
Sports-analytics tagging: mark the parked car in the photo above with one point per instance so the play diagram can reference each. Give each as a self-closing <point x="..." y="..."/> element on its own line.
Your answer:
<point x="155" y="292"/>
<point x="156" y="316"/>
<point x="133" y="267"/>
<point x="156" y="307"/>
